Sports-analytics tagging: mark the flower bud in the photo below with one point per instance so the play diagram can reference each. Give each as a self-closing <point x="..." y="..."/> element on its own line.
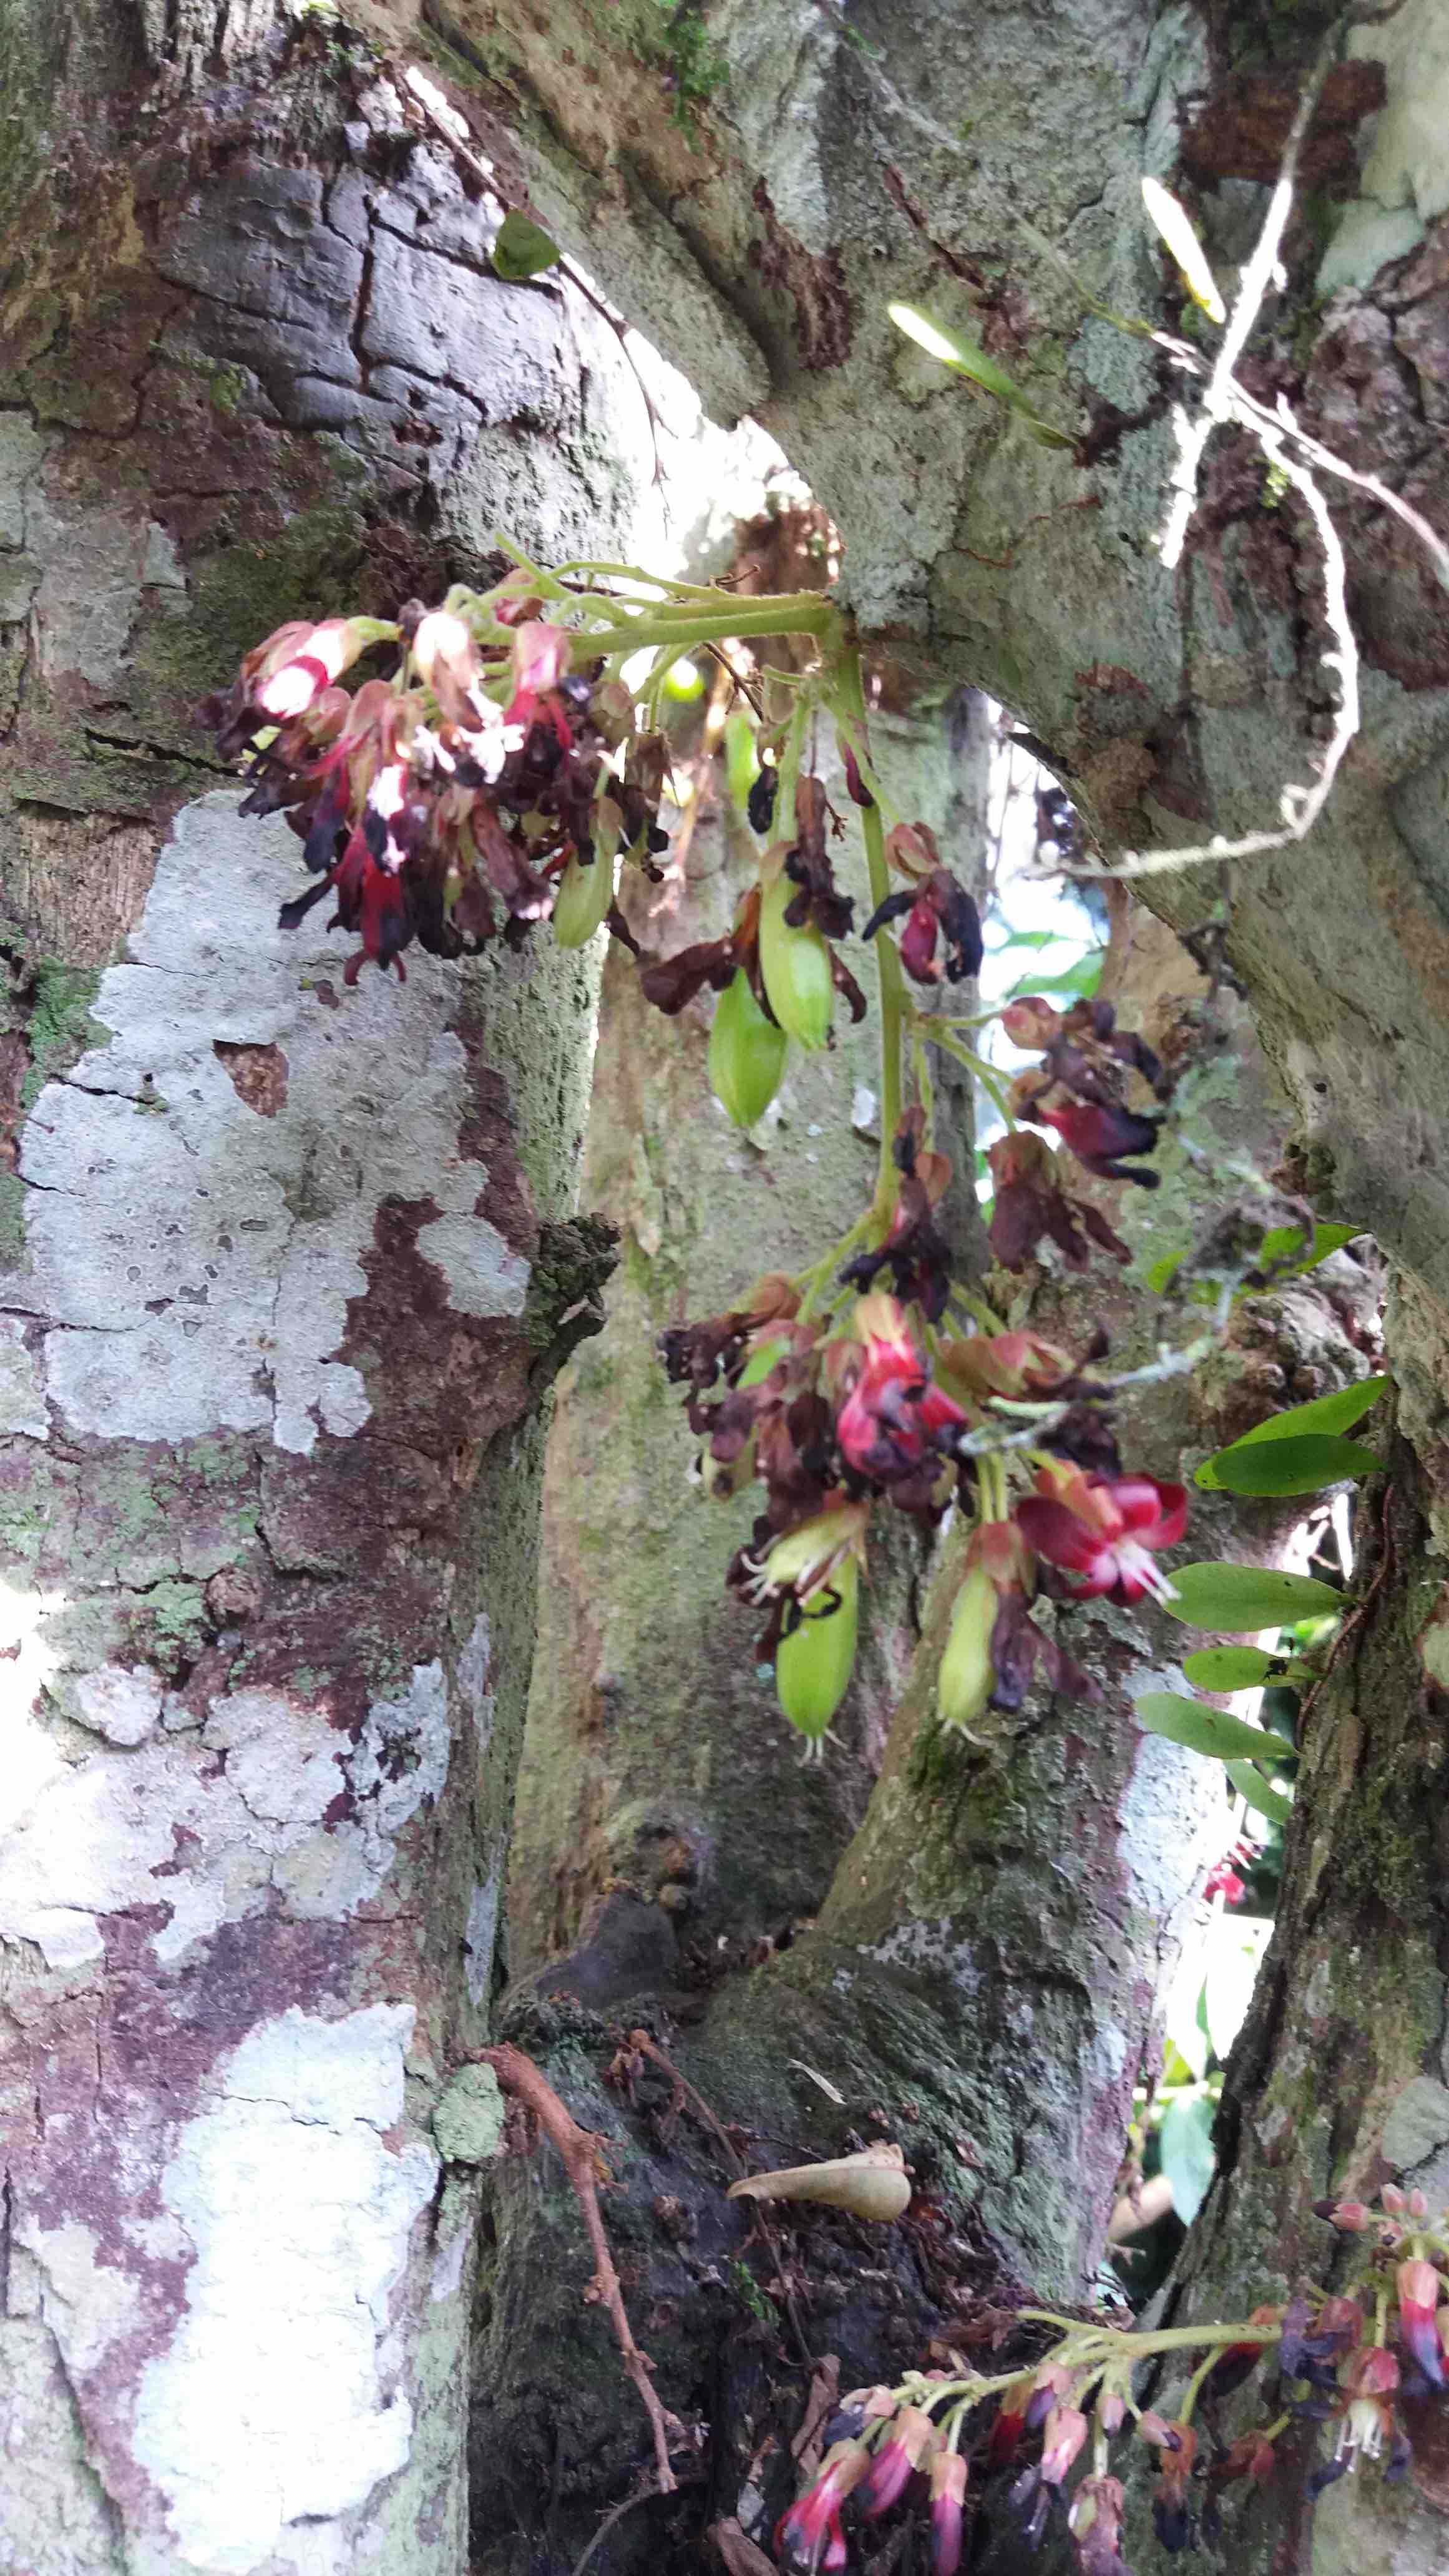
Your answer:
<point x="967" y="1676"/>
<point x="1062" y="2439"/>
<point x="747" y="1053"/>
<point x="813" y="1664"/>
<point x="1031" y="1022"/>
<point x="948" y="2495"/>
<point x="1392" y="2199"/>
<point x="1418" y="2288"/>
<point x="795" y="965"/>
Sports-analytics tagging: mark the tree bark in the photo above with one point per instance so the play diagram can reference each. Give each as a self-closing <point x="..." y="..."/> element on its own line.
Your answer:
<point x="284" y="1270"/>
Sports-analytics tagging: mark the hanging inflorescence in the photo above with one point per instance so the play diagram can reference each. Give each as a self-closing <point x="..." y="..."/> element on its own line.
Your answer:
<point x="949" y="2440"/>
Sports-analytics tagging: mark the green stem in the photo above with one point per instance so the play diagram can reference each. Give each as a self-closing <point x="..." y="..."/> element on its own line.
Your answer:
<point x="695" y="624"/>
<point x="849" y="711"/>
<point x="985" y="1074"/>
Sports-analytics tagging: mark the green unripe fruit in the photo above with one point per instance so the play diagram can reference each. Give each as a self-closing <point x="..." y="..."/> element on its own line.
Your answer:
<point x="742" y="761"/>
<point x="584" y="896"/>
<point x="967" y="1676"/>
<point x="795" y="965"/>
<point x="814" y="1663"/>
<point x="746" y="1053"/>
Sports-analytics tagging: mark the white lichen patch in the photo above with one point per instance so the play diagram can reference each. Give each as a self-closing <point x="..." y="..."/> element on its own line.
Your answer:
<point x="120" y="1702"/>
<point x="22" y="1396"/>
<point x="194" y="1258"/>
<point x="164" y="1820"/>
<point x="279" y="2400"/>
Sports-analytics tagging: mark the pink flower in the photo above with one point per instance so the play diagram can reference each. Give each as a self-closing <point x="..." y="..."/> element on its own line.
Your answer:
<point x="810" y="2533"/>
<point x="911" y="2436"/>
<point x="948" y="2495"/>
<point x="1224" y="1881"/>
<point x="1100" y="1528"/>
<point x="1418" y="2286"/>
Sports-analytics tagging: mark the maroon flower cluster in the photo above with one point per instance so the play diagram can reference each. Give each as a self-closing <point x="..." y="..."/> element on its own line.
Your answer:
<point x="428" y="803"/>
<point x="1077" y="1090"/>
<point x="1347" y="2360"/>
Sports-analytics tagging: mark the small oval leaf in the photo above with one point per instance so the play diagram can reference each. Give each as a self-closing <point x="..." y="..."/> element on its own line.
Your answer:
<point x="1337" y="1412"/>
<point x="1175" y="225"/>
<point x="1185" y="2144"/>
<point x="1227" y="1668"/>
<point x="1205" y="1730"/>
<point x="1246" y="1597"/>
<point x="1287" y="1466"/>
<point x="522" y="248"/>
<point x="1249" y="1782"/>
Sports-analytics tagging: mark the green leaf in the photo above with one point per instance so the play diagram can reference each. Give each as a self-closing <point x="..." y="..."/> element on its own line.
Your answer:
<point x="1175" y="225"/>
<point x="1287" y="1466"/>
<point x="1083" y="978"/>
<point x="1282" y="1240"/>
<point x="522" y="248"/>
<point x="968" y="358"/>
<point x="1035" y="939"/>
<point x="1235" y="1953"/>
<point x="1247" y="1596"/>
<point x="1185" y="2029"/>
<point x="1203" y="1729"/>
<point x="1325" y="1416"/>
<point x="1227" y="1668"/>
<point x="1185" y="2144"/>
<point x="1250" y="1784"/>
<point x="1162" y="1271"/>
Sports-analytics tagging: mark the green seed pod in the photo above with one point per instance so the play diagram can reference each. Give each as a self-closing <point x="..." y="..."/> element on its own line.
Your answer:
<point x="746" y="1053"/>
<point x="796" y="967"/>
<point x="814" y="1664"/>
<point x="584" y="896"/>
<point x="967" y="1677"/>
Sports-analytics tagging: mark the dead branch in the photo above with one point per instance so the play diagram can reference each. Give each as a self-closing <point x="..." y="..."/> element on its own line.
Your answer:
<point x="579" y="2150"/>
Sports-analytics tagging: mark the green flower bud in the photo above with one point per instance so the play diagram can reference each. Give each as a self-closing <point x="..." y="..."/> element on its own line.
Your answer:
<point x="967" y="1676"/>
<point x="746" y="1053"/>
<point x="795" y="965"/>
<point x="584" y="896"/>
<point x="814" y="1663"/>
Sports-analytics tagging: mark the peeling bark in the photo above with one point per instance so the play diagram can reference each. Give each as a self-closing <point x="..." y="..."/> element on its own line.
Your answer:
<point x="283" y="1279"/>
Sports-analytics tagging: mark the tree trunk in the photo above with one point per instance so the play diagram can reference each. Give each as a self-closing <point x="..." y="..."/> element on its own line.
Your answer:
<point x="653" y="1753"/>
<point x="982" y="1983"/>
<point x="1337" y="2084"/>
<point x="284" y="1269"/>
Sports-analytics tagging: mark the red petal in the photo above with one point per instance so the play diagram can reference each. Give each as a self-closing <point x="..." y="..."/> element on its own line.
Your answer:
<point x="1050" y="1530"/>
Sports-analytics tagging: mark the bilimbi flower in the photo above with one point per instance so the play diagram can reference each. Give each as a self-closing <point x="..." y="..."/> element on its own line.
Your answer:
<point x="911" y="2439"/>
<point x="939" y="914"/>
<point x="1368" y="2379"/>
<point x="1418" y="2288"/>
<point x="810" y="2533"/>
<point x="948" y="2476"/>
<point x="1105" y="1530"/>
<point x="477" y="774"/>
<point x="1171" y="2505"/>
<point x="1095" y="2523"/>
<point x="890" y="1424"/>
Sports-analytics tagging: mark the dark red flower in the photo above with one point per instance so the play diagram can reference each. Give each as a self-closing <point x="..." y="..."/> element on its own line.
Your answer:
<point x="1100" y="1529"/>
<point x="893" y="1416"/>
<point x="1099" y="1135"/>
<point x="1030" y="1202"/>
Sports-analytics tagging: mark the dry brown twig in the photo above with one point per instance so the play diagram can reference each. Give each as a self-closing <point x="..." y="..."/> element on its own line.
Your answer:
<point x="579" y="2151"/>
